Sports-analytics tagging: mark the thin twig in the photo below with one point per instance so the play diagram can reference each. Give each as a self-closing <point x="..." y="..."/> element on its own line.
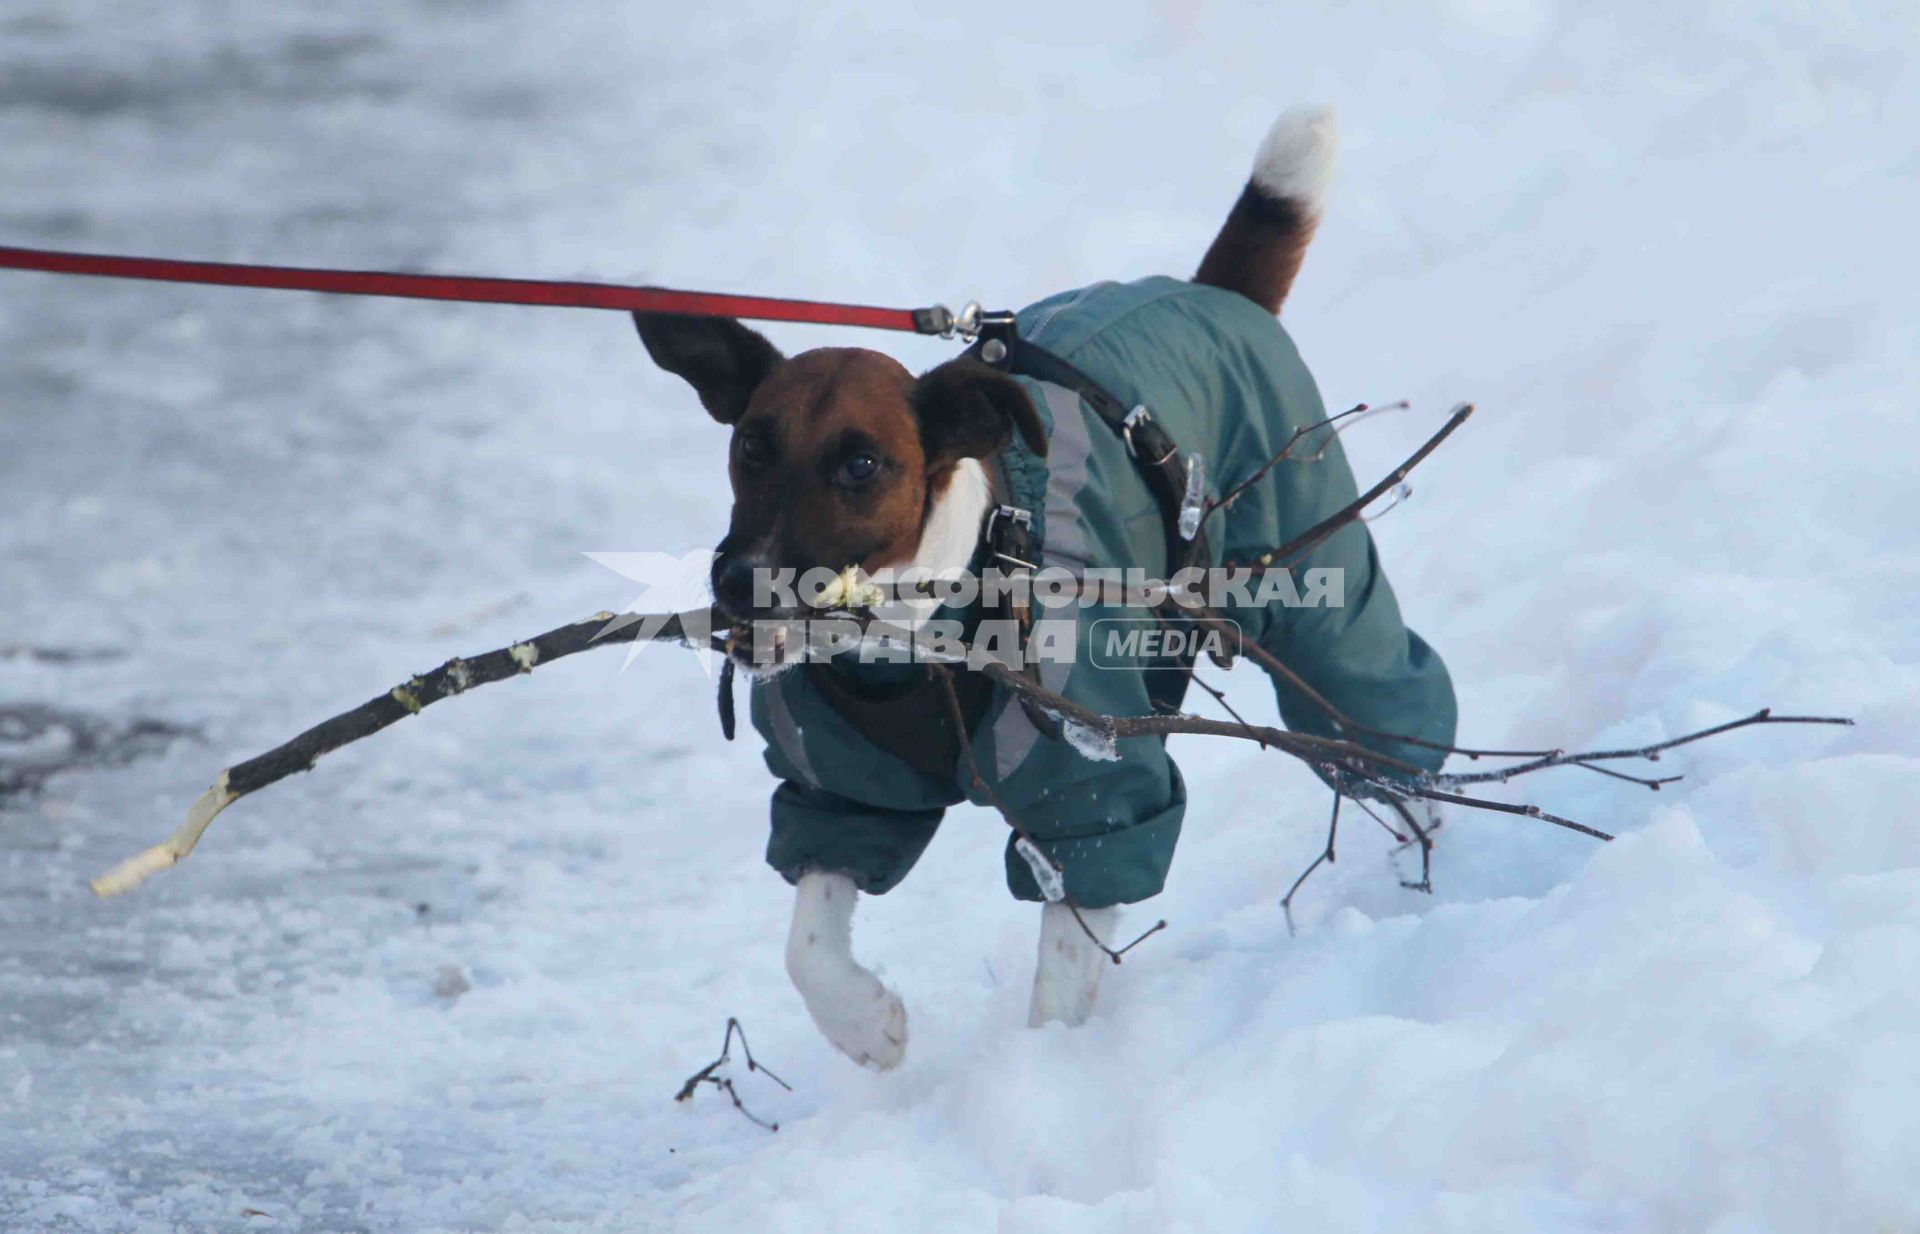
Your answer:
<point x="1326" y="857"/>
<point x="1212" y="619"/>
<point x="958" y="716"/>
<point x="1652" y="753"/>
<point x="1286" y="452"/>
<point x="1112" y="954"/>
<point x="1220" y="697"/>
<point x="1384" y="825"/>
<point x="1651" y="782"/>
<point x="706" y="1075"/>
<point x="1501" y="807"/>
<point x="1424" y="838"/>
<point x="1306" y="541"/>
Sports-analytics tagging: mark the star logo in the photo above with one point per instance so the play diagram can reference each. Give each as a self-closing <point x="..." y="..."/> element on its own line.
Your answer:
<point x="669" y="586"/>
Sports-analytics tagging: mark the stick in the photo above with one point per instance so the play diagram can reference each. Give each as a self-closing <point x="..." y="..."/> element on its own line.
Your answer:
<point x="605" y="629"/>
<point x="456" y="676"/>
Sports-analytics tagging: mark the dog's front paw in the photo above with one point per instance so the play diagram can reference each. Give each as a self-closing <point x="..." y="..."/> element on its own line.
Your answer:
<point x="879" y="1039"/>
<point x="861" y="1017"/>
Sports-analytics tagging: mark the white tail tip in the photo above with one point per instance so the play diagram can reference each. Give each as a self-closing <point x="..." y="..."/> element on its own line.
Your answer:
<point x="1296" y="160"/>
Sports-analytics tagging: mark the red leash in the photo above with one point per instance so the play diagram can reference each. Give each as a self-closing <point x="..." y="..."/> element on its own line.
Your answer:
<point x="935" y="320"/>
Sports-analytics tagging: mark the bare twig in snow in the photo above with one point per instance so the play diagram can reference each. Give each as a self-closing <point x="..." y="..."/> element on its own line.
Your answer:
<point x="1325" y="857"/>
<point x="1114" y="954"/>
<point x="1423" y="836"/>
<point x="708" y="1075"/>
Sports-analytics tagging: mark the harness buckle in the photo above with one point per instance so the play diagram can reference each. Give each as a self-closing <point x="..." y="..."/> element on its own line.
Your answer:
<point x="1140" y="417"/>
<point x="1019" y="518"/>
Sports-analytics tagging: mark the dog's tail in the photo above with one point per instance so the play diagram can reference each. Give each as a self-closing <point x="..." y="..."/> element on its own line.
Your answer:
<point x="1259" y="251"/>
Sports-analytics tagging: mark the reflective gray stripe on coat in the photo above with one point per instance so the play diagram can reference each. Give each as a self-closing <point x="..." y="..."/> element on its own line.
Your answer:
<point x="785" y="731"/>
<point x="1065" y="545"/>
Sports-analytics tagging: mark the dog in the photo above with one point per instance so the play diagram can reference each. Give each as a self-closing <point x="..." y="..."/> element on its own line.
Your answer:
<point x="840" y="457"/>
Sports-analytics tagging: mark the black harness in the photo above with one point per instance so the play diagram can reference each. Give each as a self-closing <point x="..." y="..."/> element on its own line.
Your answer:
<point x="911" y="720"/>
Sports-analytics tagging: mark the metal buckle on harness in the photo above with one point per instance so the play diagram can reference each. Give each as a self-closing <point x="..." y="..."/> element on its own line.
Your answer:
<point x="1017" y="516"/>
<point x="1141" y="415"/>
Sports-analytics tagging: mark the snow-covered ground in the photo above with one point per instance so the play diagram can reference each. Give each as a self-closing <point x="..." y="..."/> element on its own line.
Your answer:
<point x="1661" y="247"/>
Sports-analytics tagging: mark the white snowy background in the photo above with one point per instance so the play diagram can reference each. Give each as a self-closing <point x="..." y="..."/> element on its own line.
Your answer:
<point x="1660" y="246"/>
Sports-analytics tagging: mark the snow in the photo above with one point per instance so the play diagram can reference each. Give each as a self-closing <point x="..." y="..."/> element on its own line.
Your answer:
<point x="1664" y="254"/>
<point x="1193" y="502"/>
<point x="1088" y="741"/>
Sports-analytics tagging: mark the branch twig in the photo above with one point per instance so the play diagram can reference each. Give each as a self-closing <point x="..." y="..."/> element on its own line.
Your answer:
<point x="1394" y="776"/>
<point x="1286" y="452"/>
<point x="1423" y="836"/>
<point x="957" y="715"/>
<point x="707" y="1075"/>
<point x="1325" y="858"/>
<point x="1285" y="554"/>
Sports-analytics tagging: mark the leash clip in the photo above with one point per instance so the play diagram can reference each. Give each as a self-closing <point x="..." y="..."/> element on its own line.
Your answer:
<point x="970" y="323"/>
<point x="965" y="323"/>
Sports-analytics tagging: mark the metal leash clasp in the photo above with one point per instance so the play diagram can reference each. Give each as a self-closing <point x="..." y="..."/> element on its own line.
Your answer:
<point x="965" y="324"/>
<point x="970" y="323"/>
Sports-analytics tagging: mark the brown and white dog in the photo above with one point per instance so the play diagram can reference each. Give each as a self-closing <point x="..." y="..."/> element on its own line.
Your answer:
<point x="840" y="455"/>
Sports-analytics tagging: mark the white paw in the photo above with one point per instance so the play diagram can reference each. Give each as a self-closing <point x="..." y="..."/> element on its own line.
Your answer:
<point x="861" y="1017"/>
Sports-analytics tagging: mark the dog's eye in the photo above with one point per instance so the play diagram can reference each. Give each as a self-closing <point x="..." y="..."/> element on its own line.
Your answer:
<point x="754" y="450"/>
<point x="858" y="469"/>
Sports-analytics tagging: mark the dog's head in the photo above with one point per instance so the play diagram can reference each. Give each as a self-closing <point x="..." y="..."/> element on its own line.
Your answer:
<point x="838" y="454"/>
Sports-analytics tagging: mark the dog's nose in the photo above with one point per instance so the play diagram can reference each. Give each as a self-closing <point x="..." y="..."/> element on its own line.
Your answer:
<point x="733" y="584"/>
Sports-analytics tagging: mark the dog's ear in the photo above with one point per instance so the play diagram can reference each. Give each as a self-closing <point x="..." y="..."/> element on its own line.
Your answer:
<point x="721" y="359"/>
<point x="968" y="410"/>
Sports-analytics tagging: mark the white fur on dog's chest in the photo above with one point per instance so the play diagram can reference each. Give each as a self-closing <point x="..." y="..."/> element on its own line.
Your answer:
<point x="951" y="535"/>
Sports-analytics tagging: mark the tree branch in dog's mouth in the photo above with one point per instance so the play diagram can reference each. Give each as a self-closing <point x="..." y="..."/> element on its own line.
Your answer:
<point x="1394" y="780"/>
<point x="1346" y="760"/>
